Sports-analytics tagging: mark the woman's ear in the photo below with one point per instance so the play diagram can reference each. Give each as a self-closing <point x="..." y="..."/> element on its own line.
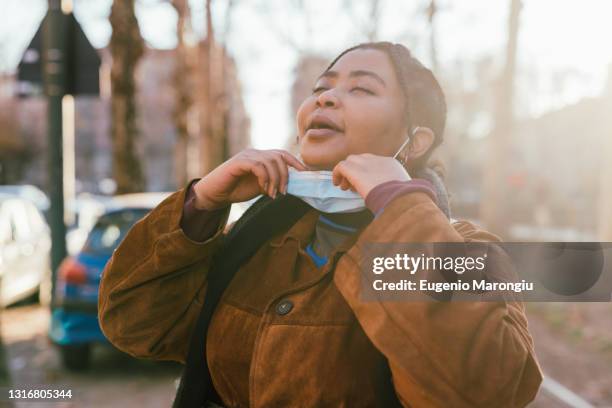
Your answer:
<point x="421" y="140"/>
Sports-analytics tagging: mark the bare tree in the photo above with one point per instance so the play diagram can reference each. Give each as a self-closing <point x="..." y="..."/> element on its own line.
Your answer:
<point x="183" y="82"/>
<point x="374" y="20"/>
<point x="213" y="99"/>
<point x="14" y="150"/>
<point x="494" y="203"/>
<point x="368" y="26"/>
<point x="206" y="146"/>
<point x="126" y="46"/>
<point x="431" y="14"/>
<point x="605" y="206"/>
<point x="269" y="11"/>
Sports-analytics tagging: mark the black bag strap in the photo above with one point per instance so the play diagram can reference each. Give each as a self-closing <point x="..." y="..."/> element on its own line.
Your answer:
<point x="264" y="219"/>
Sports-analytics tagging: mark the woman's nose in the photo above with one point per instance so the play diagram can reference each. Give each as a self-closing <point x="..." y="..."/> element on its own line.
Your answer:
<point x="328" y="99"/>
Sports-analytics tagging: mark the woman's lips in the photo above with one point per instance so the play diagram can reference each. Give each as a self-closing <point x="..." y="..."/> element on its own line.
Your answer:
<point x="321" y="133"/>
<point x="321" y="126"/>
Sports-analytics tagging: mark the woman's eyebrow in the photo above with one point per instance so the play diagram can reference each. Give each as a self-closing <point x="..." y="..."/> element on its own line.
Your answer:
<point x="371" y="74"/>
<point x="357" y="73"/>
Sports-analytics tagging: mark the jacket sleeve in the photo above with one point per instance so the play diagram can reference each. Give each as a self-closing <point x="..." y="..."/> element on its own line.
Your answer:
<point x="459" y="354"/>
<point x="153" y="286"/>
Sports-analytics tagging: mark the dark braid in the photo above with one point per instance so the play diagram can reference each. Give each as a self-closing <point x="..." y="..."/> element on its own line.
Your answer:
<point x="425" y="103"/>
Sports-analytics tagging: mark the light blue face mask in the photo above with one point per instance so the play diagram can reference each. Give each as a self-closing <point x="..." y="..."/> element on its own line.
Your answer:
<point x="317" y="189"/>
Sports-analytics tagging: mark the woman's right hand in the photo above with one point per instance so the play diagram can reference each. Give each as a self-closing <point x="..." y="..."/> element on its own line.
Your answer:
<point x="244" y="176"/>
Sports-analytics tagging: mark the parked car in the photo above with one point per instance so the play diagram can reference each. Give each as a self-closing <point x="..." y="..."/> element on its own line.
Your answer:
<point x="28" y="192"/>
<point x="84" y="211"/>
<point x="25" y="245"/>
<point x="74" y="319"/>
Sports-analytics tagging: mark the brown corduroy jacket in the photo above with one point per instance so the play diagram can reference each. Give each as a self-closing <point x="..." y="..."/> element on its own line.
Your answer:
<point x="287" y="333"/>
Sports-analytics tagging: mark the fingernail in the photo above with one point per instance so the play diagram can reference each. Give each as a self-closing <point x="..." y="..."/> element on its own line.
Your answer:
<point x="265" y="187"/>
<point x="274" y="192"/>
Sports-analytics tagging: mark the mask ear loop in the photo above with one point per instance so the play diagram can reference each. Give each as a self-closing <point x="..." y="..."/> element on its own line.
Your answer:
<point x="403" y="146"/>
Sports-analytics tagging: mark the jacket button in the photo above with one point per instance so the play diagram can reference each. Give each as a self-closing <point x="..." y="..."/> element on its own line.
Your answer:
<point x="284" y="307"/>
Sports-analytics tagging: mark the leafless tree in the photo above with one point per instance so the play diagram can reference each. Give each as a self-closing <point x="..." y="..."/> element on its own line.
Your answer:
<point x="605" y="207"/>
<point x="213" y="98"/>
<point x="183" y="83"/>
<point x="431" y="15"/>
<point x="14" y="151"/>
<point x="494" y="202"/>
<point x="126" y="47"/>
<point x="374" y="20"/>
<point x="368" y="27"/>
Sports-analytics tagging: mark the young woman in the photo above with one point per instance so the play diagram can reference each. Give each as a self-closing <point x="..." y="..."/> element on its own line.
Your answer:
<point x="291" y="329"/>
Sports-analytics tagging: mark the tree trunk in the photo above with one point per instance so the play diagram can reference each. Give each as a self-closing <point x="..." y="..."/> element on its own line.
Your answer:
<point x="494" y="204"/>
<point x="212" y="100"/>
<point x="126" y="46"/>
<point x="431" y="16"/>
<point x="605" y="197"/>
<point x="183" y="75"/>
<point x="372" y="34"/>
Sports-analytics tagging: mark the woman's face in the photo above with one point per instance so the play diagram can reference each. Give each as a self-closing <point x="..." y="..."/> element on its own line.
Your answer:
<point x="357" y="106"/>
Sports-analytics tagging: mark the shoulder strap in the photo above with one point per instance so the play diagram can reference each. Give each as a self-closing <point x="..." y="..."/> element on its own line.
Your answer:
<point x="264" y="219"/>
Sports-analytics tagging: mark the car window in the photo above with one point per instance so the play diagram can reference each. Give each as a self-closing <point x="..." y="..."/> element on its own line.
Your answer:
<point x="110" y="230"/>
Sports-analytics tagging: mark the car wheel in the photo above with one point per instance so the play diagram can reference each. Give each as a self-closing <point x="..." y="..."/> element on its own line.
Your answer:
<point x="76" y="357"/>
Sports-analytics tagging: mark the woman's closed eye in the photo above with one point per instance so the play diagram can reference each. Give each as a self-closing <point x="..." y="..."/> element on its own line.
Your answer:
<point x="362" y="89"/>
<point x="320" y="89"/>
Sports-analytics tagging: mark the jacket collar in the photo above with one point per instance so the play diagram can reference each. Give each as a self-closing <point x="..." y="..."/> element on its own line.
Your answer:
<point x="300" y="231"/>
<point x="303" y="230"/>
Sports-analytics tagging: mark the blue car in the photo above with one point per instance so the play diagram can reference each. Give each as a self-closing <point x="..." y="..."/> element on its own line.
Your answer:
<point x="74" y="319"/>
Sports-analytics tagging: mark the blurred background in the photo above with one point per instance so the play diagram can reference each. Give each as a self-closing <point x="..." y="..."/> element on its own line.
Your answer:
<point x="107" y="106"/>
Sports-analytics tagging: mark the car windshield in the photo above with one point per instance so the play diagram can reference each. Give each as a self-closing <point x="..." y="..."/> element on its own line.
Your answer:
<point x="111" y="229"/>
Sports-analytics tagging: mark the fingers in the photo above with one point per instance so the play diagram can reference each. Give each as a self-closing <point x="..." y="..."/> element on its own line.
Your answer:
<point x="291" y="160"/>
<point x="344" y="173"/>
<point x="270" y="168"/>
<point x="258" y="169"/>
<point x="277" y="161"/>
<point x="344" y="184"/>
<point x="283" y="172"/>
<point x="338" y="173"/>
<point x="273" y="176"/>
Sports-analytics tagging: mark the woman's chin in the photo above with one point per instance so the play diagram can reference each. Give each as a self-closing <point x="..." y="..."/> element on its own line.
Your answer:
<point x="319" y="159"/>
<point x="318" y="162"/>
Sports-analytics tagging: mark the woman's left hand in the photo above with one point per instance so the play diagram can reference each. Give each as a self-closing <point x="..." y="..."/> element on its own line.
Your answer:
<point x="363" y="172"/>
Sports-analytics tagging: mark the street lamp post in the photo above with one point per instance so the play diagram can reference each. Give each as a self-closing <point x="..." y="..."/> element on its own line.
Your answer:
<point x="54" y="73"/>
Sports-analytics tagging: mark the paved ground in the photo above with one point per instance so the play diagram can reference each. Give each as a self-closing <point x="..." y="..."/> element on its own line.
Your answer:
<point x="574" y="346"/>
<point x="116" y="380"/>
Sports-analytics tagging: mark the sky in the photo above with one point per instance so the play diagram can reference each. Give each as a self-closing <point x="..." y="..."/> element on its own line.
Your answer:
<point x="564" y="44"/>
